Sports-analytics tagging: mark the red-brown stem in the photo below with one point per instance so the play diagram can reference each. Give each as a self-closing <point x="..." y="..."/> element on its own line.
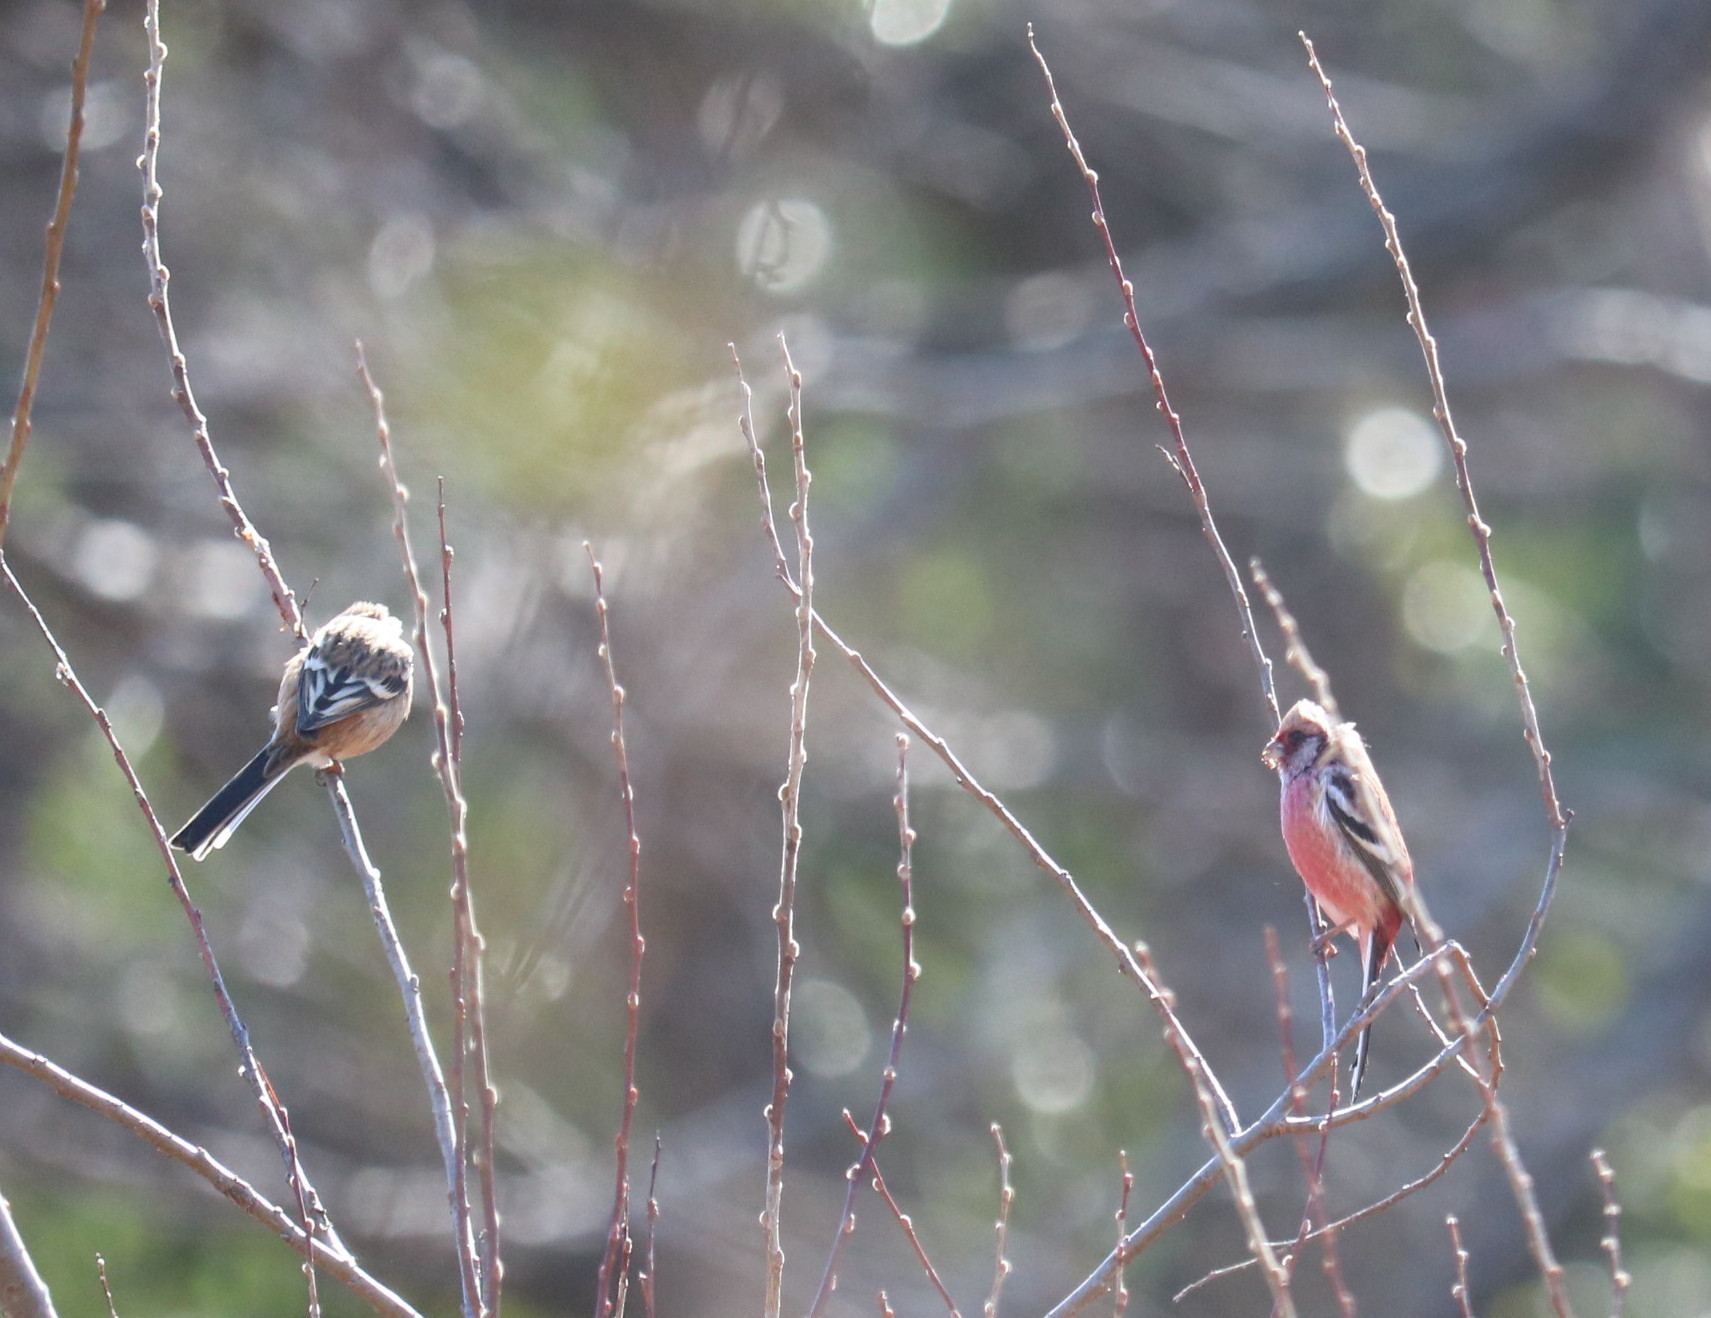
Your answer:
<point x="1459" y="1291"/>
<point x="486" y="1167"/>
<point x="1180" y="459"/>
<point x="1611" y="1241"/>
<point x="618" y="1230"/>
<point x="160" y="303"/>
<point x="881" y="1123"/>
<point x="55" y="245"/>
<point x="1006" y="1196"/>
<point x="784" y="913"/>
<point x="906" y="1222"/>
<point x="1120" y="1293"/>
<point x="653" y="1223"/>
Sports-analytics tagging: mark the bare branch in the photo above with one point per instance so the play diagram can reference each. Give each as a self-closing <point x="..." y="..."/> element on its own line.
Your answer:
<point x="21" y="414"/>
<point x="159" y="302"/>
<point x="334" y="1259"/>
<point x="618" y="1232"/>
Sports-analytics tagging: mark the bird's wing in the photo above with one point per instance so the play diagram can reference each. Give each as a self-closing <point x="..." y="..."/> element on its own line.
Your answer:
<point x="328" y="692"/>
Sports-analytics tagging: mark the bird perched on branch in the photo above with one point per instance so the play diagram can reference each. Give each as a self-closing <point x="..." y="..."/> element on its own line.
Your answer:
<point x="342" y="695"/>
<point x="1343" y="838"/>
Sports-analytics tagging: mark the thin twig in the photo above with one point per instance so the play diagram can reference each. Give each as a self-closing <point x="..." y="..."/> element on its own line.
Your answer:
<point x="1459" y="1292"/>
<point x="473" y="970"/>
<point x="1120" y="1293"/>
<point x="1127" y="963"/>
<point x="55" y="244"/>
<point x="106" y="1290"/>
<point x="1180" y="459"/>
<point x="335" y="1261"/>
<point x="1611" y="1242"/>
<point x="906" y="1222"/>
<point x="784" y="913"/>
<point x="478" y="1269"/>
<point x="1295" y="654"/>
<point x="653" y="1223"/>
<point x="618" y="1231"/>
<point x="1001" y="1231"/>
<point x="159" y="302"/>
<point x="881" y="1123"/>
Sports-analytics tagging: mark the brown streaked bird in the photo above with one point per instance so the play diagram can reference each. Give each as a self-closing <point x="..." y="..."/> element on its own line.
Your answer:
<point x="342" y="695"/>
<point x="1343" y="838"/>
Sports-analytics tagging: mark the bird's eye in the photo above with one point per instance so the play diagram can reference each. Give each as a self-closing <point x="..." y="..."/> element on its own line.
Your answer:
<point x="1293" y="738"/>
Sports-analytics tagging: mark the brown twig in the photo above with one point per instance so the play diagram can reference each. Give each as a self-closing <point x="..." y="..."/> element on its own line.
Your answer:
<point x="653" y="1223"/>
<point x="334" y="1260"/>
<point x="106" y="1290"/>
<point x="881" y="1123"/>
<point x="1295" y="654"/>
<point x="1459" y="1292"/>
<point x="473" y="991"/>
<point x="1006" y="1196"/>
<point x="159" y="302"/>
<point x="618" y="1231"/>
<point x="1120" y="1293"/>
<point x="478" y="1268"/>
<point x="1611" y="1242"/>
<point x="55" y="245"/>
<point x="1180" y="459"/>
<point x="784" y="913"/>
<point x="905" y="1221"/>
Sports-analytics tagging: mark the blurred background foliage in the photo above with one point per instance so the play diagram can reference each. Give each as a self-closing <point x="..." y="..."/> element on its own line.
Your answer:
<point x="546" y="221"/>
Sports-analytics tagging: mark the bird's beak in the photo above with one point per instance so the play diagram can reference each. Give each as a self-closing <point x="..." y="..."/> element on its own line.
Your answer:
<point x="1272" y="755"/>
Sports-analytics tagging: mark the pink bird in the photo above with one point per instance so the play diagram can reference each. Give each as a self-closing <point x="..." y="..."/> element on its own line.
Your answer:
<point x="1343" y="838"/>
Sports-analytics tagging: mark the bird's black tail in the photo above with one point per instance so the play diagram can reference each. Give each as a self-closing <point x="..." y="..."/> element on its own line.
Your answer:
<point x="214" y="822"/>
<point x="1376" y="955"/>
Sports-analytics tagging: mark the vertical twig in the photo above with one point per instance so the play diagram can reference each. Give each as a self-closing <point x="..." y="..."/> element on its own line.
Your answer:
<point x="1459" y="1291"/>
<point x="618" y="1232"/>
<point x="653" y="1222"/>
<point x="784" y="913"/>
<point x="1180" y="459"/>
<point x="471" y="970"/>
<point x="1006" y="1196"/>
<point x="881" y="1123"/>
<point x="1611" y="1242"/>
<point x="21" y="414"/>
<point x="149" y="162"/>
<point x="1120" y="1292"/>
<point x="478" y="1269"/>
